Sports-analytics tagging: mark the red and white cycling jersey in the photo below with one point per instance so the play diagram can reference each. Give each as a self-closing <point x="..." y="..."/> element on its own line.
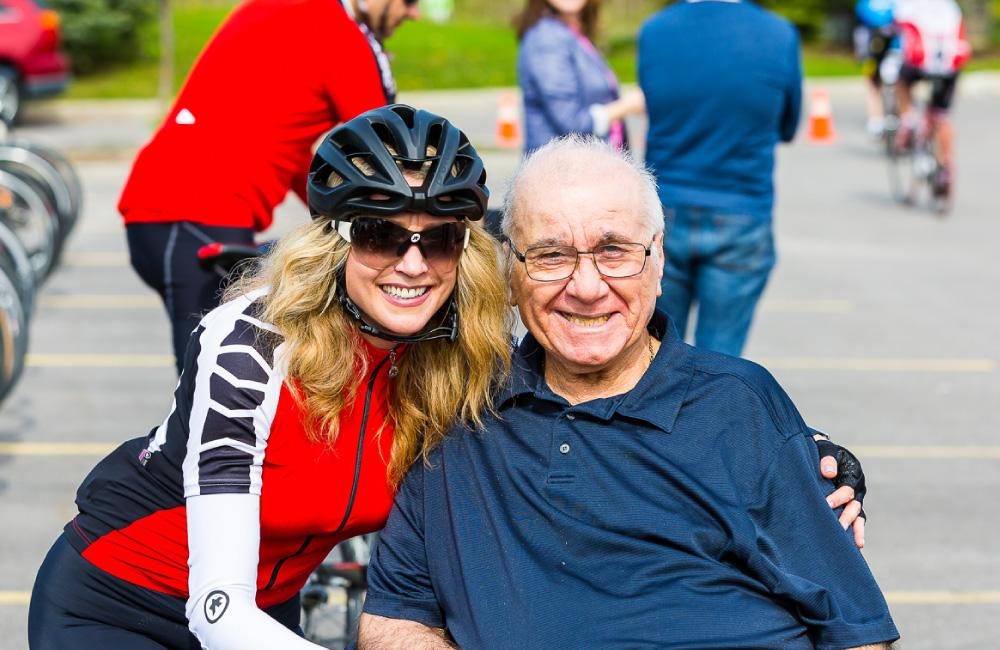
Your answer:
<point x="933" y="35"/>
<point x="235" y="429"/>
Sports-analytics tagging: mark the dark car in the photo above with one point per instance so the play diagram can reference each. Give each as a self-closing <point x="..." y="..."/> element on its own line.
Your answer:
<point x="31" y="63"/>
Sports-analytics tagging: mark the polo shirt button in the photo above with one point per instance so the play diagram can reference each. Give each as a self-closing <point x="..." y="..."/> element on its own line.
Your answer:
<point x="564" y="448"/>
<point x="570" y="416"/>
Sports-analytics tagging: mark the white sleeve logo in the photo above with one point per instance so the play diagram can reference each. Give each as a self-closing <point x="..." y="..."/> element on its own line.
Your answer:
<point x="215" y="605"/>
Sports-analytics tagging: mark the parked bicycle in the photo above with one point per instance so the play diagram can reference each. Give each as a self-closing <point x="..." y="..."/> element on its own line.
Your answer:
<point x="40" y="201"/>
<point x="16" y="295"/>
<point x="335" y="594"/>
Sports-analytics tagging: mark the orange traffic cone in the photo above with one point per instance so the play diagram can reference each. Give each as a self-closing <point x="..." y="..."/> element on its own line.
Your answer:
<point x="820" y="117"/>
<point x="508" y="122"/>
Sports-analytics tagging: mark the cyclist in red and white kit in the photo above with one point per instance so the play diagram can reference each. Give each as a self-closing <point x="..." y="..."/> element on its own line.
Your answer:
<point x="934" y="48"/>
<point x="275" y="77"/>
<point x="302" y="402"/>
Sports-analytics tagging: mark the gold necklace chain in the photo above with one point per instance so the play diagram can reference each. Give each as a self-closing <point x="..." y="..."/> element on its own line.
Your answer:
<point x="652" y="354"/>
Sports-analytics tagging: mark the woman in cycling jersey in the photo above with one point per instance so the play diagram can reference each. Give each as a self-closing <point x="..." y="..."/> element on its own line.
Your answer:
<point x="567" y="85"/>
<point x="303" y="400"/>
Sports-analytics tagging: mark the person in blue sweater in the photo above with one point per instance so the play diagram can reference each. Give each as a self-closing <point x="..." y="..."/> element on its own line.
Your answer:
<point x="723" y="85"/>
<point x="566" y="84"/>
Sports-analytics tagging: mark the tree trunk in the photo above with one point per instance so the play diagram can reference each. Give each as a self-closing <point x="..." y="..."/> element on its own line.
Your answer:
<point x="165" y="91"/>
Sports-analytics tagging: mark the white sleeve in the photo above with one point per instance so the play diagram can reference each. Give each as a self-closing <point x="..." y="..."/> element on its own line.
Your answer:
<point x="223" y="552"/>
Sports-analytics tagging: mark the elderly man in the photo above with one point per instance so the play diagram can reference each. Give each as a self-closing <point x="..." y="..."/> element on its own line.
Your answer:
<point x="632" y="491"/>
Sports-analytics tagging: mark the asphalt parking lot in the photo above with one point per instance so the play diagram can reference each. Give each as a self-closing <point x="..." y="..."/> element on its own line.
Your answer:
<point x="880" y="321"/>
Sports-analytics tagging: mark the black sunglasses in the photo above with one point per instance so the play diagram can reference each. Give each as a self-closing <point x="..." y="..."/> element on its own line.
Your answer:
<point x="378" y="242"/>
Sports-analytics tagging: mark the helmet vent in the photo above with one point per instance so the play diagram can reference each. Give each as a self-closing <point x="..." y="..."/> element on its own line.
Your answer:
<point x="434" y="135"/>
<point x="385" y="134"/>
<point x="334" y="180"/>
<point x="461" y="166"/>
<point x="361" y="162"/>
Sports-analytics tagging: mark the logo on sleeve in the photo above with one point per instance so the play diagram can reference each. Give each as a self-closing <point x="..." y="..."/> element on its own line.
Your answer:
<point x="216" y="605"/>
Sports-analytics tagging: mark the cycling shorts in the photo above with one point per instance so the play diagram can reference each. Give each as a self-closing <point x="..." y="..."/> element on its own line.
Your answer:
<point x="942" y="86"/>
<point x="76" y="605"/>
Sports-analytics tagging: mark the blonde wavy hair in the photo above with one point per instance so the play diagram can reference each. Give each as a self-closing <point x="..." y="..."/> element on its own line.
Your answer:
<point x="438" y="382"/>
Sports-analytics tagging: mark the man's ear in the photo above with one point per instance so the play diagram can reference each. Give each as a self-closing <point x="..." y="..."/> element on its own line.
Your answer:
<point x="662" y="254"/>
<point x="509" y="272"/>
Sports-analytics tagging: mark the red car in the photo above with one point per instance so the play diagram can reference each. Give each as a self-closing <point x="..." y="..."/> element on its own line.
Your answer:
<point x="31" y="63"/>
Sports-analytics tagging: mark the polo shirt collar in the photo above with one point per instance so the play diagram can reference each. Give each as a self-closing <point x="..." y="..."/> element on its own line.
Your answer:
<point x="656" y="399"/>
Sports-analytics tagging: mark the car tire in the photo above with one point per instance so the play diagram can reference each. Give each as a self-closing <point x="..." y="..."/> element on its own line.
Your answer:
<point x="10" y="95"/>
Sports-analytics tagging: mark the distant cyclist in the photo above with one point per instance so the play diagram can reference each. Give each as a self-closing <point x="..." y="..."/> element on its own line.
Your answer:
<point x="934" y="48"/>
<point x="872" y="41"/>
<point x="275" y="77"/>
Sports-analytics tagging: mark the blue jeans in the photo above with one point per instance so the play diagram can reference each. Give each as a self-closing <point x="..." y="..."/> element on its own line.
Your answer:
<point x="719" y="261"/>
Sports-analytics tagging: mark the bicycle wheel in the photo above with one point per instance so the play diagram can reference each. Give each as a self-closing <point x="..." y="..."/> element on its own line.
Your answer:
<point x="334" y="596"/>
<point x="25" y="209"/>
<point x="330" y="610"/>
<point x="890" y="132"/>
<point x="49" y="180"/>
<point x="67" y="172"/>
<point x="903" y="173"/>
<point x="13" y="319"/>
<point x="939" y="184"/>
<point x="22" y="271"/>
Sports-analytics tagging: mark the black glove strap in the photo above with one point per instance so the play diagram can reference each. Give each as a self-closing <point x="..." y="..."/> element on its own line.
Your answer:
<point x="849" y="470"/>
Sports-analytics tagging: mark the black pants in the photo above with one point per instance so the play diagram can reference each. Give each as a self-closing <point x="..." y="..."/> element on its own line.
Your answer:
<point x="76" y="605"/>
<point x="165" y="255"/>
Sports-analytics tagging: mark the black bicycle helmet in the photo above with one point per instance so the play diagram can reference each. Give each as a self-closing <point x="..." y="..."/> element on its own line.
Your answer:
<point x="358" y="169"/>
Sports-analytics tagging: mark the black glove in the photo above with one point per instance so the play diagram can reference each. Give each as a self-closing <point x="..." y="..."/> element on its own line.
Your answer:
<point x="849" y="470"/>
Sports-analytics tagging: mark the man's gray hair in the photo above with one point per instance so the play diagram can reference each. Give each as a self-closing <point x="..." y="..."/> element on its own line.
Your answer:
<point x="576" y="154"/>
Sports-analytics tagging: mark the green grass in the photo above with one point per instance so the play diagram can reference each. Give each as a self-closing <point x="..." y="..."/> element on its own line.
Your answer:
<point x="456" y="55"/>
<point x="194" y="24"/>
<point x="466" y="53"/>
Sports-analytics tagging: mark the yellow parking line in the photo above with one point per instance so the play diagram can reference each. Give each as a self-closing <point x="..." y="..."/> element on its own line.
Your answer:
<point x="96" y="259"/>
<point x="869" y="364"/>
<point x="943" y="597"/>
<point x="820" y="306"/>
<point x="14" y="597"/>
<point x="99" y="360"/>
<point x="55" y="448"/>
<point x="931" y="452"/>
<point x="100" y="301"/>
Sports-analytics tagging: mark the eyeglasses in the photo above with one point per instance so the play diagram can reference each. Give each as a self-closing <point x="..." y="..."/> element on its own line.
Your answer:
<point x="377" y="242"/>
<point x="554" y="263"/>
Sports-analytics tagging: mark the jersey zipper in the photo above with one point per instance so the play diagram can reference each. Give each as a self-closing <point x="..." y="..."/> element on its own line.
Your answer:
<point x="357" y="472"/>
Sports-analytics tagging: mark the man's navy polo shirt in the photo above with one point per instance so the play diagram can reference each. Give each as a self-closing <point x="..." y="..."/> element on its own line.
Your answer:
<point x="686" y="513"/>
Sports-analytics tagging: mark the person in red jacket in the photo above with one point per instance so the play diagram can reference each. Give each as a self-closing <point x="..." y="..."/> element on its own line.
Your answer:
<point x="276" y="76"/>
